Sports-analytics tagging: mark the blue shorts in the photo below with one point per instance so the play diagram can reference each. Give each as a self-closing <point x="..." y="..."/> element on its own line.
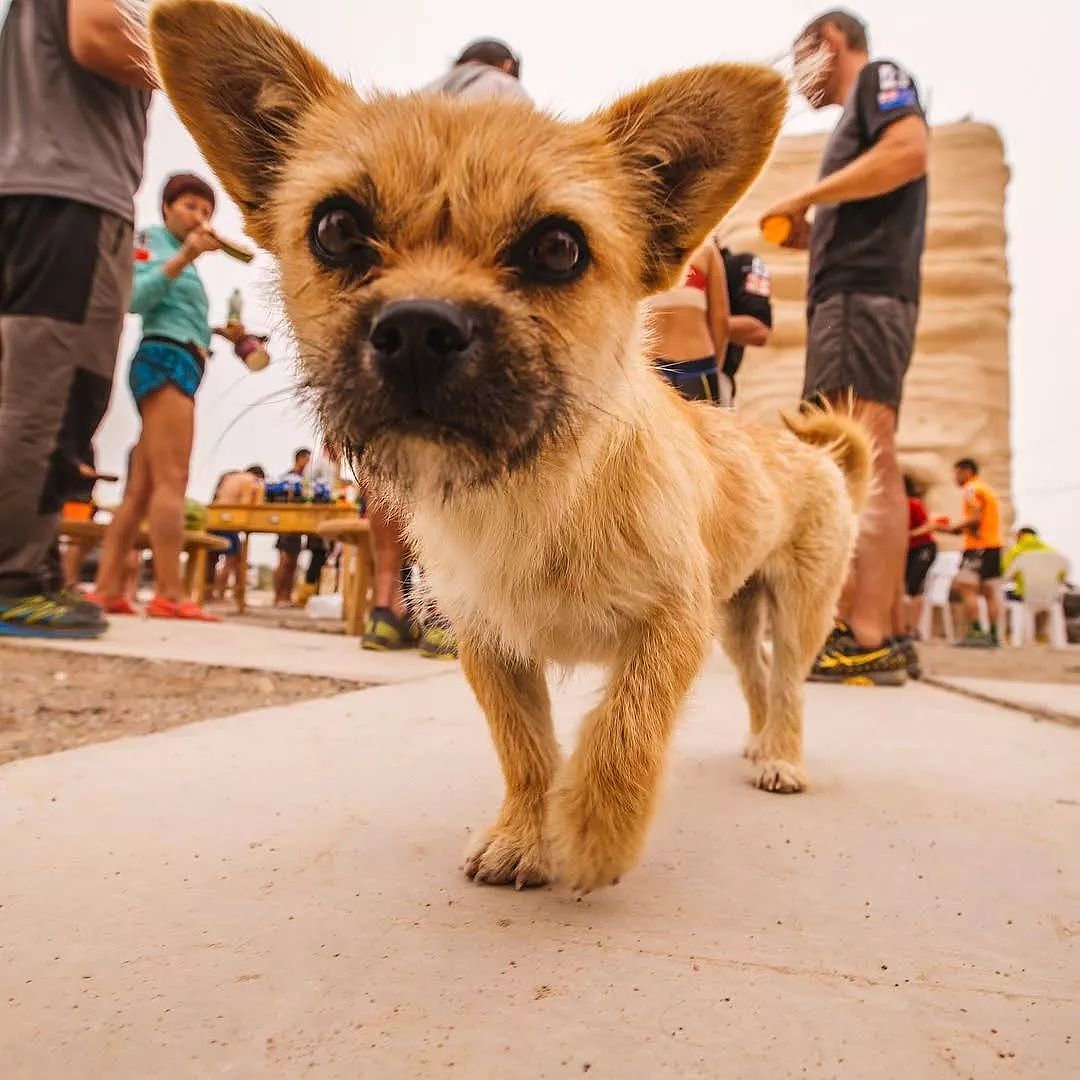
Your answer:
<point x="157" y="363"/>
<point x="232" y="537"/>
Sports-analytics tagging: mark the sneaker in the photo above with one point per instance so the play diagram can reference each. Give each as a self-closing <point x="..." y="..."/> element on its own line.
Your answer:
<point x="438" y="643"/>
<point x="977" y="639"/>
<point x="384" y="631"/>
<point x="906" y="644"/>
<point x="162" y="608"/>
<point x="46" y="617"/>
<point x="846" y="661"/>
<point x="119" y="605"/>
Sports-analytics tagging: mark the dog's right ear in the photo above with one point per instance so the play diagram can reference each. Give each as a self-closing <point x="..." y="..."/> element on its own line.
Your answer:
<point x="242" y="87"/>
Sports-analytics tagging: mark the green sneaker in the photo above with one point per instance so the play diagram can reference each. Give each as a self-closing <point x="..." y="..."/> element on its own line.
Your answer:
<point x="385" y="632"/>
<point x="438" y="643"/>
<point x="977" y="639"/>
<point x="48" y="617"/>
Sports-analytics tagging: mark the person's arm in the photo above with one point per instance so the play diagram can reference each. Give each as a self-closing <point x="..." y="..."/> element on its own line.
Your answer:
<point x="108" y="38"/>
<point x="972" y="519"/>
<point x="154" y="277"/>
<point x="746" y="330"/>
<point x="716" y="296"/>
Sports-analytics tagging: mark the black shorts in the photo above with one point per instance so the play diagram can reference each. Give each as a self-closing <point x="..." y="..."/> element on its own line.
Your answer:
<point x="862" y="342"/>
<point x="698" y="380"/>
<point x="919" y="561"/>
<point x="984" y="562"/>
<point x="294" y="543"/>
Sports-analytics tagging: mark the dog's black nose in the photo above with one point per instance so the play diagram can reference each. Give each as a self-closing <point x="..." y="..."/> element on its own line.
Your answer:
<point x="424" y="335"/>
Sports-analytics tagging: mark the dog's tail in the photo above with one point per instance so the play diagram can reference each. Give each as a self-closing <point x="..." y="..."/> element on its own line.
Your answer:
<point x="846" y="441"/>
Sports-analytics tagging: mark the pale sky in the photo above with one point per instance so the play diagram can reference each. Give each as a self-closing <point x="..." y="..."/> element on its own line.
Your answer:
<point x="969" y="59"/>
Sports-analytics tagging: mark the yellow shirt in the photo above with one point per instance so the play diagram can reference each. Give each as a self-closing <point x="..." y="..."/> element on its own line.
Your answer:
<point x="981" y="501"/>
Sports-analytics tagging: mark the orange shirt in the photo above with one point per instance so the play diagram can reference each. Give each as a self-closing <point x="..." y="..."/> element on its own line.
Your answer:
<point x="980" y="500"/>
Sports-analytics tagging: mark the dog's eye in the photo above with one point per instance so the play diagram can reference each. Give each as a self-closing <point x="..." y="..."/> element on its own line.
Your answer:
<point x="552" y="251"/>
<point x="341" y="235"/>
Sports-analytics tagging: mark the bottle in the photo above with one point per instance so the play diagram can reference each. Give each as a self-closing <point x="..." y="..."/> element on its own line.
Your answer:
<point x="236" y="306"/>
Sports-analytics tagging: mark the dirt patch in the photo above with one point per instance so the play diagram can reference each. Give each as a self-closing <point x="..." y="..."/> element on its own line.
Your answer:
<point x="58" y="700"/>
<point x="1029" y="664"/>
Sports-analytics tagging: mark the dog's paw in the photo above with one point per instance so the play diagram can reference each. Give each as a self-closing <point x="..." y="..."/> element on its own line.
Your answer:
<point x="506" y="856"/>
<point x="752" y="748"/>
<point x="591" y="846"/>
<point x="773" y="774"/>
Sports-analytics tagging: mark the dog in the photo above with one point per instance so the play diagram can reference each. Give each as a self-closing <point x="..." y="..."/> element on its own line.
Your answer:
<point x="463" y="280"/>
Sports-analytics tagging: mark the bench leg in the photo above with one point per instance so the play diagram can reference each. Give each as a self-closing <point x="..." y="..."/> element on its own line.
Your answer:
<point x="240" y="591"/>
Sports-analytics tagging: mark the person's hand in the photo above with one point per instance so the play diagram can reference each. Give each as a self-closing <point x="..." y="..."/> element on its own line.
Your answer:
<point x="794" y="209"/>
<point x="200" y="240"/>
<point x="234" y="331"/>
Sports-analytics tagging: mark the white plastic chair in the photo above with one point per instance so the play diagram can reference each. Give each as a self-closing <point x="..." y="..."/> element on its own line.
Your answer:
<point x="1043" y="572"/>
<point x="939" y="579"/>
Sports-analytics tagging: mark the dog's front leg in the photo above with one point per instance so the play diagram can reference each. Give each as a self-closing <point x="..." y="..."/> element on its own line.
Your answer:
<point x="514" y="697"/>
<point x="604" y="797"/>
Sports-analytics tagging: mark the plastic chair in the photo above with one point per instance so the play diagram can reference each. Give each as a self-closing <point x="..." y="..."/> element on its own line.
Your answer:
<point x="936" y="592"/>
<point x="1043" y="573"/>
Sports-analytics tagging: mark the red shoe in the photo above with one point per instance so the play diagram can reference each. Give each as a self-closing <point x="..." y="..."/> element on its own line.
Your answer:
<point x="119" y="605"/>
<point x="161" y="608"/>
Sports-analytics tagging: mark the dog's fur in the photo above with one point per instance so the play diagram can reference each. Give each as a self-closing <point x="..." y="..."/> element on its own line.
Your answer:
<point x="566" y="504"/>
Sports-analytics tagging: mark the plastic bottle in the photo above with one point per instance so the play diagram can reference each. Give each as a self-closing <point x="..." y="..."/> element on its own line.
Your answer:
<point x="236" y="306"/>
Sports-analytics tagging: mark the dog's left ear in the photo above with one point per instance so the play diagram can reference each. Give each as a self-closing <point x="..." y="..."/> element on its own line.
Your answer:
<point x="692" y="143"/>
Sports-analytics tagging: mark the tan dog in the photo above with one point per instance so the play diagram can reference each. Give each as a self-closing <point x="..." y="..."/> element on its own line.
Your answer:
<point x="463" y="280"/>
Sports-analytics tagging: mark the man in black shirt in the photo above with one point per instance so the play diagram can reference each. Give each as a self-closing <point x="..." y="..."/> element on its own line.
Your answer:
<point x="750" y="319"/>
<point x="866" y="244"/>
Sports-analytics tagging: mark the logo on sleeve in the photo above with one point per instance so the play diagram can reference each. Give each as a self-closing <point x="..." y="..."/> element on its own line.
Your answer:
<point x="757" y="281"/>
<point x="895" y="90"/>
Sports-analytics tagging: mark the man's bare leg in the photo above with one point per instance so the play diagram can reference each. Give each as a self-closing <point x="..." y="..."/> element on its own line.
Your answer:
<point x="866" y="603"/>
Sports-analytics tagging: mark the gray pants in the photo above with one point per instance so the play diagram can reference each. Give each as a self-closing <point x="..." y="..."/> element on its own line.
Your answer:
<point x="65" y="284"/>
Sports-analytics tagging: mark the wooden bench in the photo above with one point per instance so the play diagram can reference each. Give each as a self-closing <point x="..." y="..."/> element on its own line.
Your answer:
<point x="197" y="545"/>
<point x="357" y="571"/>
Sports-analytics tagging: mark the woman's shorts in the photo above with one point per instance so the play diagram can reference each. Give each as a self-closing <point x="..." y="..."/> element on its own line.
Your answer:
<point x="157" y="363"/>
<point x="698" y="380"/>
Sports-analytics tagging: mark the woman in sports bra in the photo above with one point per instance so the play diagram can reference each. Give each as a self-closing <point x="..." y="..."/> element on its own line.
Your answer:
<point x="690" y="328"/>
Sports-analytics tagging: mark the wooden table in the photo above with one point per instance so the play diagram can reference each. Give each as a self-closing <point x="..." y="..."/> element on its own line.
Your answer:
<point x="197" y="544"/>
<point x="291" y="518"/>
<point x="357" y="571"/>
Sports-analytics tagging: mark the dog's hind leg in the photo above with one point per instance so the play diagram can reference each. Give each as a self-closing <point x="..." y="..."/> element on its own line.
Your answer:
<point x="514" y="697"/>
<point x="604" y="797"/>
<point x="800" y="611"/>
<point x="741" y="634"/>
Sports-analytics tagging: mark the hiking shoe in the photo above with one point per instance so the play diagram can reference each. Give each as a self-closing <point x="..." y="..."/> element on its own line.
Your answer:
<point x="438" y="643"/>
<point x="977" y="639"/>
<point x="162" y="608"/>
<point x="384" y="632"/>
<point x="47" y="617"/>
<point x="906" y="645"/>
<point x="848" y="662"/>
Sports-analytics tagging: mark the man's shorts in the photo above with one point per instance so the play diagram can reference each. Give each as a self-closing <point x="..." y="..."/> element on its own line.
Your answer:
<point x="698" y="380"/>
<point x="862" y="342"/>
<point x="294" y="543"/>
<point x="981" y="563"/>
<point x="919" y="561"/>
<point x="234" y="541"/>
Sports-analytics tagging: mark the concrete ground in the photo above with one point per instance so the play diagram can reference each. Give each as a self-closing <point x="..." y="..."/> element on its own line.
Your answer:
<point x="277" y="894"/>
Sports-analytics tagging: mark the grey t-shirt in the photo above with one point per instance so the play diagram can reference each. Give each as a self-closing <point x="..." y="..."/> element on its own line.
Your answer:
<point x="65" y="131"/>
<point x="477" y="81"/>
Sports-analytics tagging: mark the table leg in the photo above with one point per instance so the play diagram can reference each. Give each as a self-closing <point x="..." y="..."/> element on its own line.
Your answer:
<point x="198" y="586"/>
<point x="240" y="592"/>
<point x="362" y="581"/>
<point x="353" y="597"/>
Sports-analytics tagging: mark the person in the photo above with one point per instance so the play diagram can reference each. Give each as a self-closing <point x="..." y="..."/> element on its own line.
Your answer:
<point x="308" y="471"/>
<point x="164" y="377"/>
<point x="866" y="242"/>
<point x="243" y="488"/>
<point x="922" y="551"/>
<point x="485" y="69"/>
<point x="75" y="85"/>
<point x="980" y="567"/>
<point x="749" y="289"/>
<point x="691" y="328"/>
<point x="1027" y="539"/>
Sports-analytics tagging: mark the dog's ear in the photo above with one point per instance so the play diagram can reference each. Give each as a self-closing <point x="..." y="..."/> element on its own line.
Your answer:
<point x="691" y="144"/>
<point x="241" y="86"/>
